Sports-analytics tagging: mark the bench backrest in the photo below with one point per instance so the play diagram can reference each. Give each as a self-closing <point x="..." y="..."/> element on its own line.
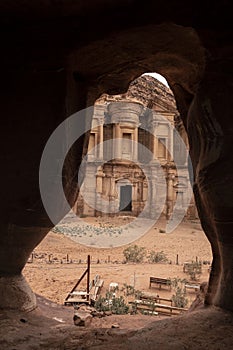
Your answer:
<point x="159" y="280"/>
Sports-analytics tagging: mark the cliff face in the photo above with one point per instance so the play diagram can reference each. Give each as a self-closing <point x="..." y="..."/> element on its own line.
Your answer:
<point x="58" y="57"/>
<point x="148" y="91"/>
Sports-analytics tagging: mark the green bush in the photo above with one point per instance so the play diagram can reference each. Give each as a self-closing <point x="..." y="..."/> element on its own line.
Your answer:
<point x="130" y="290"/>
<point x="110" y="303"/>
<point x="179" y="298"/>
<point x="156" y="257"/>
<point x="134" y="254"/>
<point x="194" y="270"/>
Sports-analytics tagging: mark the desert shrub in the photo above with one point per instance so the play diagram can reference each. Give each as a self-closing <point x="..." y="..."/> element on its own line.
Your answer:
<point x="194" y="270"/>
<point x="134" y="254"/>
<point x="138" y="294"/>
<point x="110" y="303"/>
<point x="179" y="297"/>
<point x="156" y="257"/>
<point x="151" y="308"/>
<point x="130" y="290"/>
<point x="114" y="289"/>
<point x="133" y="309"/>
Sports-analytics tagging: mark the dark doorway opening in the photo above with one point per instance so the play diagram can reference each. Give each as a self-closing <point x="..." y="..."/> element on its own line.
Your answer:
<point x="126" y="198"/>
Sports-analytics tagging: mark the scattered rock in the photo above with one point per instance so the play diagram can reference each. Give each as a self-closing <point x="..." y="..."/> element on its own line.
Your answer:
<point x="98" y="314"/>
<point x="162" y="231"/>
<point x="82" y="318"/>
<point x="86" y="308"/>
<point x="108" y="313"/>
<point x="84" y="314"/>
<point x="115" y="325"/>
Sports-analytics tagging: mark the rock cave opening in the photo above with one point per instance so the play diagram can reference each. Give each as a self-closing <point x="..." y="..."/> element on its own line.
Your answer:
<point x="111" y="167"/>
<point x="50" y="57"/>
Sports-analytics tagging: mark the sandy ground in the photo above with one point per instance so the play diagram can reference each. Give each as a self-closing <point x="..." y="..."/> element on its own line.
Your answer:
<point x="54" y="279"/>
<point x="209" y="329"/>
<point x="51" y="326"/>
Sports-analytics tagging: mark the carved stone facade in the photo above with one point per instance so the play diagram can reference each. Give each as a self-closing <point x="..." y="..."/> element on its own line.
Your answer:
<point x="130" y="165"/>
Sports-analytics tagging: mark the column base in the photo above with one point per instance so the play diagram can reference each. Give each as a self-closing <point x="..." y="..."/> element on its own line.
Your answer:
<point x="16" y="294"/>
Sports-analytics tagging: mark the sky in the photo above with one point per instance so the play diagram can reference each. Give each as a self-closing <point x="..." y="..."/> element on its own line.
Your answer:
<point x="159" y="77"/>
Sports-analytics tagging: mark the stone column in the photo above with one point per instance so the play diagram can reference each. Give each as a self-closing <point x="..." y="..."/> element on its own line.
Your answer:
<point x="99" y="191"/>
<point x="99" y="180"/>
<point x="154" y="150"/>
<point x="135" y="198"/>
<point x="117" y="142"/>
<point x="89" y="190"/>
<point x="170" y="178"/>
<point x="101" y="140"/>
<point x="126" y="114"/>
<point x="98" y="121"/>
<point x="135" y="144"/>
<point x="112" y="196"/>
<point x="170" y="140"/>
<point x="153" y="195"/>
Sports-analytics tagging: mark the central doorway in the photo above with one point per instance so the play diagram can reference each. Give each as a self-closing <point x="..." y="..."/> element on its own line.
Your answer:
<point x="126" y="198"/>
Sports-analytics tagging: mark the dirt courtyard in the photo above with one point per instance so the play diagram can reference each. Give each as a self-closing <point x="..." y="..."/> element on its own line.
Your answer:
<point x="52" y="275"/>
<point x="58" y="261"/>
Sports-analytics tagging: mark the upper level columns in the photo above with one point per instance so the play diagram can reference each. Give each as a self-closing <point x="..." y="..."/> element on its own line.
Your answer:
<point x="117" y="149"/>
<point x="125" y="117"/>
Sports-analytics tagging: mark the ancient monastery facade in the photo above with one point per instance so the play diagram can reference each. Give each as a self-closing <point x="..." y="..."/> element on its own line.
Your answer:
<point x="130" y="166"/>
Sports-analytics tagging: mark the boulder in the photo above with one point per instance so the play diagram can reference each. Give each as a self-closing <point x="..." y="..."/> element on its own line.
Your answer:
<point x="82" y="318"/>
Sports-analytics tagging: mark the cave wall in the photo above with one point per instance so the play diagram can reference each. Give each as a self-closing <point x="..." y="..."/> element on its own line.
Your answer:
<point x="58" y="57"/>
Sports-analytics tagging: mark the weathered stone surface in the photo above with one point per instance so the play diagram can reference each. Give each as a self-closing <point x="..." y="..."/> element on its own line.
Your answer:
<point x="16" y="294"/>
<point x="98" y="314"/>
<point x="115" y="325"/>
<point x="210" y="131"/>
<point x="82" y="318"/>
<point x="83" y="315"/>
<point x="199" y="301"/>
<point x="132" y="136"/>
<point x="57" y="59"/>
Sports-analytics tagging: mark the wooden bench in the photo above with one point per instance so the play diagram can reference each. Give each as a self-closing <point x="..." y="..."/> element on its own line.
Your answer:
<point x="157" y="308"/>
<point x="157" y="300"/>
<point x="195" y="287"/>
<point x="160" y="281"/>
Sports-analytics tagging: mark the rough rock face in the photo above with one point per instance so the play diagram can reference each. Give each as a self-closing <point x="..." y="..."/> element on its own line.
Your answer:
<point x="57" y="58"/>
<point x="210" y="133"/>
<point x="199" y="301"/>
<point x="146" y="88"/>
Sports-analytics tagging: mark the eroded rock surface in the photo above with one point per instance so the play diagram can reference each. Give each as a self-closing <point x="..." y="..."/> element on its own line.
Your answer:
<point x="58" y="59"/>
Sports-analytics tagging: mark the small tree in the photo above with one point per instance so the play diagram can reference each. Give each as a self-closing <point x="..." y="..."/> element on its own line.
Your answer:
<point x="179" y="298"/>
<point x="156" y="257"/>
<point x="134" y="254"/>
<point x="194" y="269"/>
